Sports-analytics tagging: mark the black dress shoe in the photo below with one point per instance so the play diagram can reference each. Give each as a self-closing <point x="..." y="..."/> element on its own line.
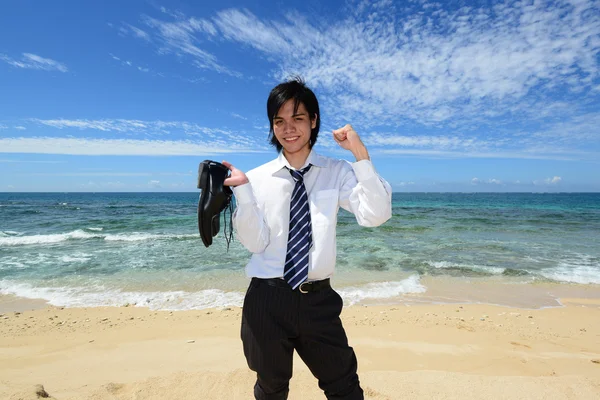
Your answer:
<point x="215" y="197"/>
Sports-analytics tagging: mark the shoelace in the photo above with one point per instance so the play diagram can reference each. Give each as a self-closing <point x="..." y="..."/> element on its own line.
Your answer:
<point x="228" y="236"/>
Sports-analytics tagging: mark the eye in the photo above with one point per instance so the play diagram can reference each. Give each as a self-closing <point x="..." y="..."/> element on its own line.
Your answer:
<point x="278" y="122"/>
<point x="299" y="118"/>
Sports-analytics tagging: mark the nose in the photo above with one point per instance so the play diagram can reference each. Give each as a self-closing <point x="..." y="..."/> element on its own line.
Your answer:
<point x="289" y="127"/>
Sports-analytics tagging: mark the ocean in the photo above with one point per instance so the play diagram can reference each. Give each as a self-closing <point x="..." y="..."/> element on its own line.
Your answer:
<point x="143" y="249"/>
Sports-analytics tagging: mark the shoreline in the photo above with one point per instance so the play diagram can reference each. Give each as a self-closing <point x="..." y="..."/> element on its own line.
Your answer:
<point x="442" y="290"/>
<point x="441" y="351"/>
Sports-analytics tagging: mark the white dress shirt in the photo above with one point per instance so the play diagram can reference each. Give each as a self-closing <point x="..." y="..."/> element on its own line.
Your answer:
<point x="261" y="219"/>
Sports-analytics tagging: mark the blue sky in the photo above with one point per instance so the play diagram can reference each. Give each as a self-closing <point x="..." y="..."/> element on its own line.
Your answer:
<point x="131" y="96"/>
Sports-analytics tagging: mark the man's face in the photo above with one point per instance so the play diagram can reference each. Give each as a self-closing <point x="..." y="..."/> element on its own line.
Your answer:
<point x="292" y="130"/>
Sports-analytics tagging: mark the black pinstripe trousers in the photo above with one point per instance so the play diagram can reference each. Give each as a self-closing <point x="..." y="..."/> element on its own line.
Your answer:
<point x="278" y="320"/>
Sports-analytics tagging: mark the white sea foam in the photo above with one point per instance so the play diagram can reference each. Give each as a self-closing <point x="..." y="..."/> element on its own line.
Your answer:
<point x="6" y="240"/>
<point x="24" y="261"/>
<point x="76" y="257"/>
<point x="531" y="259"/>
<point x="43" y="239"/>
<point x="381" y="290"/>
<point x="9" y="234"/>
<point x="95" y="229"/>
<point x="138" y="236"/>
<point x="579" y="269"/>
<point x="98" y="296"/>
<point x="37" y="260"/>
<point x="473" y="267"/>
<point x="11" y="264"/>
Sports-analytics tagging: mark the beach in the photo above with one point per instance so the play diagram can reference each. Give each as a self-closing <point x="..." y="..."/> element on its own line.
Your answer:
<point x="434" y="351"/>
<point x="458" y="296"/>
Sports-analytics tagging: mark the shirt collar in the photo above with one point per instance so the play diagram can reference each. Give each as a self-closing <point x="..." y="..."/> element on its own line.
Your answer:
<point x="313" y="158"/>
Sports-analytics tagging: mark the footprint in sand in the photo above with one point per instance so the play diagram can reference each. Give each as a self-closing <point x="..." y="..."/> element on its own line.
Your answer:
<point x="520" y="344"/>
<point x="373" y="394"/>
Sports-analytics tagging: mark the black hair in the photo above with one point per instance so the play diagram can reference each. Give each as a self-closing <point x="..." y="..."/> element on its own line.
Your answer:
<point x="295" y="89"/>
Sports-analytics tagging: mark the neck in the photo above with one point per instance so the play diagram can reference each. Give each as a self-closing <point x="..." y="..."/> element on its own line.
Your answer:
<point x="296" y="160"/>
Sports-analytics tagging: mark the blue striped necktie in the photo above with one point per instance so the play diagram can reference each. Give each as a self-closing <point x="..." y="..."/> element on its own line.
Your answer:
<point x="300" y="233"/>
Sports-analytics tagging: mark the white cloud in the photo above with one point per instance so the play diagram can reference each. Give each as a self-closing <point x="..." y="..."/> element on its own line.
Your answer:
<point x="493" y="181"/>
<point x="470" y="69"/>
<point x="103" y="185"/>
<point x="243" y="26"/>
<point x="131" y="64"/>
<point x="518" y="154"/>
<point x="548" y="181"/>
<point x="424" y="63"/>
<point x="20" y="128"/>
<point x="90" y="184"/>
<point x="234" y="115"/>
<point x="106" y="174"/>
<point x="92" y="147"/>
<point x="154" y="184"/>
<point x="516" y="145"/>
<point x="157" y="73"/>
<point x="33" y="61"/>
<point x="139" y="33"/>
<point x="175" y="14"/>
<point x="179" y="38"/>
<point x="579" y="128"/>
<point x="217" y="137"/>
<point x="119" y="125"/>
<point x="439" y="142"/>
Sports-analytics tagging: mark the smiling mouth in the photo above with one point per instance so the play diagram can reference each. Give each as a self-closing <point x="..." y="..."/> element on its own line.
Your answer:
<point x="291" y="139"/>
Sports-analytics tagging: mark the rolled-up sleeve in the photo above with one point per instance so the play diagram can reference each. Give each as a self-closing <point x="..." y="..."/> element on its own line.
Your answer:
<point x="365" y="194"/>
<point x="248" y="220"/>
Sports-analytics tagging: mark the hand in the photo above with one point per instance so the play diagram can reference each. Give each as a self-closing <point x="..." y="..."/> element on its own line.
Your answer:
<point x="348" y="139"/>
<point x="236" y="178"/>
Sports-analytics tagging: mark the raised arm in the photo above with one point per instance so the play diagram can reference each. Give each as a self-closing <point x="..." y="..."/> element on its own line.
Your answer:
<point x="363" y="192"/>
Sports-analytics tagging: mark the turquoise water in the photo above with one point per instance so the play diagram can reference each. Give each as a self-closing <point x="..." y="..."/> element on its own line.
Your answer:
<point x="86" y="249"/>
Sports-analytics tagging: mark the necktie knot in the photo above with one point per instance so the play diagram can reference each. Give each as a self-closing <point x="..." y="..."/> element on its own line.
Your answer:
<point x="298" y="174"/>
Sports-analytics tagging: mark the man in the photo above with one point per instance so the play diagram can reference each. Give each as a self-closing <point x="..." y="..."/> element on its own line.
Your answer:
<point x="286" y="216"/>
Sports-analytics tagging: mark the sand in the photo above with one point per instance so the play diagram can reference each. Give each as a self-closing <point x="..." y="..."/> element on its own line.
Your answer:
<point x="431" y="351"/>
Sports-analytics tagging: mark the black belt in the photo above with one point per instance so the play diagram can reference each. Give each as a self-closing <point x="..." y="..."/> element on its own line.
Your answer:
<point x="306" y="287"/>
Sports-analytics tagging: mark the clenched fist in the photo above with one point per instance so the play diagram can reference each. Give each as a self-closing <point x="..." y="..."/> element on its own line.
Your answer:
<point x="348" y="139"/>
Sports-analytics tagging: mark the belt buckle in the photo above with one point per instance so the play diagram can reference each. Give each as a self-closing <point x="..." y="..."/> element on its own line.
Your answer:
<point x="300" y="287"/>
